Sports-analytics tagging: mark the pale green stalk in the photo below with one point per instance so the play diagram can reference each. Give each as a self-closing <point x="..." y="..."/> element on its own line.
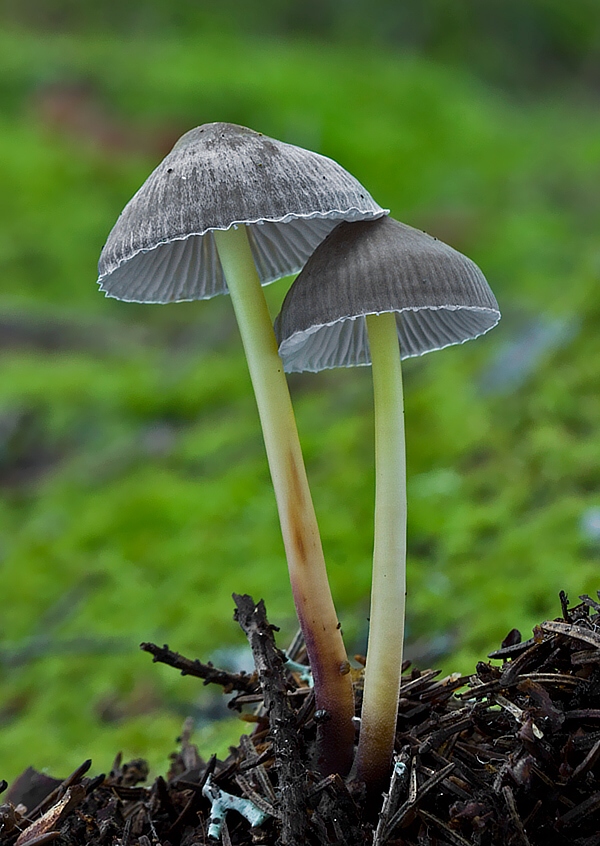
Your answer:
<point x="306" y="563"/>
<point x="386" y="627"/>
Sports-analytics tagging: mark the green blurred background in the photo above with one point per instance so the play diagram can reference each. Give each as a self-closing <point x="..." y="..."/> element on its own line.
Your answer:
<point x="134" y="492"/>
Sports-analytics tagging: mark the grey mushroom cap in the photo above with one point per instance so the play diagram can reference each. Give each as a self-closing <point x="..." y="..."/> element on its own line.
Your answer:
<point x="439" y="295"/>
<point x="217" y="176"/>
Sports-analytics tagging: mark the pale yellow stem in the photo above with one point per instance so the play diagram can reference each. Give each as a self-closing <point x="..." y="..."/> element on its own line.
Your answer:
<point x="386" y="627"/>
<point x="306" y="563"/>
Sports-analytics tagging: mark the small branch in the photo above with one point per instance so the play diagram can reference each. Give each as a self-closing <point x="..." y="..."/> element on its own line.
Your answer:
<point x="512" y="805"/>
<point x="46" y="826"/>
<point x="210" y="674"/>
<point x="390" y="800"/>
<point x="573" y="631"/>
<point x="282" y="719"/>
<point x="59" y="791"/>
<point x="451" y="836"/>
<point x="416" y="793"/>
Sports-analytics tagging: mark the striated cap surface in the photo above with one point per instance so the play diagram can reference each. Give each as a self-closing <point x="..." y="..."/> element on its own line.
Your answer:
<point x="217" y="176"/>
<point x="440" y="296"/>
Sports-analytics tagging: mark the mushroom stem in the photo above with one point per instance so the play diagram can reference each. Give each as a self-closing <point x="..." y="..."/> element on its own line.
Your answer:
<point x="386" y="628"/>
<point x="308" y="575"/>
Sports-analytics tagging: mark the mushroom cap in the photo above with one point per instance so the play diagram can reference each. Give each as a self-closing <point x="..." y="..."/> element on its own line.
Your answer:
<point x="440" y="296"/>
<point x="217" y="176"/>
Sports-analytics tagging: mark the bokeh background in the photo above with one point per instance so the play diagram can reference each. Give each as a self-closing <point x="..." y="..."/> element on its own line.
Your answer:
<point x="134" y="492"/>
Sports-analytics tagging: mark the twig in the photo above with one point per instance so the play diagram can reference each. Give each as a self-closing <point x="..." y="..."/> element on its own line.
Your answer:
<point x="390" y="801"/>
<point x="588" y="762"/>
<point x="212" y="675"/>
<point x="57" y="793"/>
<point x="572" y="630"/>
<point x="588" y="806"/>
<point x="261" y="803"/>
<point x="514" y="814"/>
<point x="46" y="825"/>
<point x="512" y="651"/>
<point x="253" y="766"/>
<point x="282" y="719"/>
<point x="436" y="738"/>
<point x="449" y="833"/>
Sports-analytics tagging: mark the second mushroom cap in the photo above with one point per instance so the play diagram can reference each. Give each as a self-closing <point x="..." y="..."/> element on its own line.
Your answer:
<point x="372" y="267"/>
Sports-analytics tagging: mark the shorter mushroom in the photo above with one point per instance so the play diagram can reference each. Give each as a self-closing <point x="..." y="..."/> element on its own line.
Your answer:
<point x="372" y="293"/>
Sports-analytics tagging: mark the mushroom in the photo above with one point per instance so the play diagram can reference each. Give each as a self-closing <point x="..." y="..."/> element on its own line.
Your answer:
<point x="372" y="293"/>
<point x="227" y="210"/>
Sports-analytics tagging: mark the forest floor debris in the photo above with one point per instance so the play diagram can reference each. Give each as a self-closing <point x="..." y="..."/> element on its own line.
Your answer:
<point x="505" y="757"/>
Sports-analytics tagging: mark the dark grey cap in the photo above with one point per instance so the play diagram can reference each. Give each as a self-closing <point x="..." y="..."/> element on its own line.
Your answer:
<point x="440" y="296"/>
<point x="215" y="177"/>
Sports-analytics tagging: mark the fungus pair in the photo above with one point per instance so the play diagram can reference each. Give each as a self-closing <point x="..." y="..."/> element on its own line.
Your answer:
<point x="230" y="210"/>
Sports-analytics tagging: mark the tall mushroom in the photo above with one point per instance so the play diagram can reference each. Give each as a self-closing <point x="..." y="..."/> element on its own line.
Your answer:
<point x="373" y="293"/>
<point x="230" y="209"/>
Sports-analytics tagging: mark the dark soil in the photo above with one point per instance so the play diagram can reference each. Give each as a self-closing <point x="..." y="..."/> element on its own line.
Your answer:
<point x="506" y="757"/>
